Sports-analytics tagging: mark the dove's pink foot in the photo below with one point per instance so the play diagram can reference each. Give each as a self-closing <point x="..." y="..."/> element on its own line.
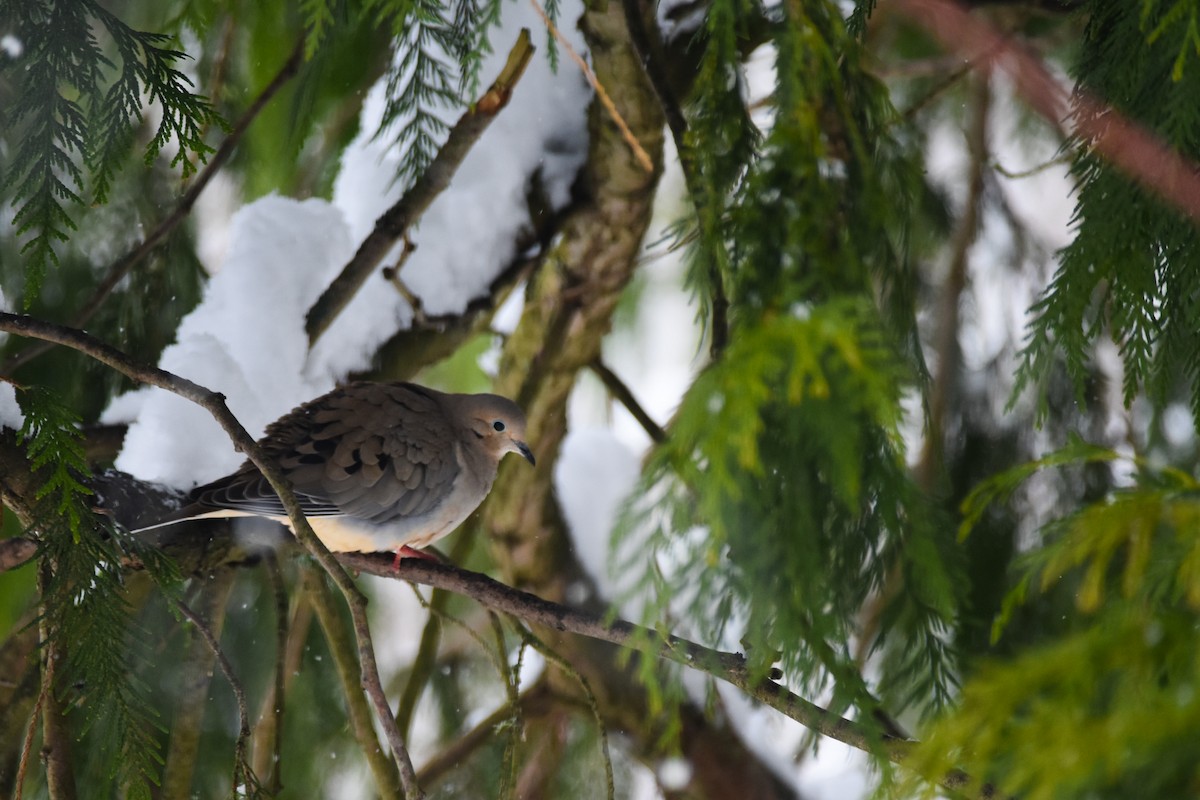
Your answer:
<point x="408" y="552"/>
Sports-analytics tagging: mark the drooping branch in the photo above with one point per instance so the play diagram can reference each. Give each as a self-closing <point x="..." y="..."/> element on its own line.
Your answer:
<point x="1127" y="145"/>
<point x="727" y="666"/>
<point x="396" y="221"/>
<point x="645" y="38"/>
<point x="214" y="403"/>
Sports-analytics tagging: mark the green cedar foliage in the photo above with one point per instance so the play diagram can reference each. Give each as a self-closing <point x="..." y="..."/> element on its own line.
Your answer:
<point x="441" y="48"/>
<point x="71" y="114"/>
<point x="1132" y="269"/>
<point x="1108" y="708"/>
<point x="1097" y="697"/>
<point x="84" y="609"/>
<point x="782" y="502"/>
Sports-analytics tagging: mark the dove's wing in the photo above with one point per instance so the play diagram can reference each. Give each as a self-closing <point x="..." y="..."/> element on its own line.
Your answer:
<point x="375" y="452"/>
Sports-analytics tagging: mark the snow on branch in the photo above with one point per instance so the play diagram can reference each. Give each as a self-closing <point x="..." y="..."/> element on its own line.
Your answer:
<point x="395" y="222"/>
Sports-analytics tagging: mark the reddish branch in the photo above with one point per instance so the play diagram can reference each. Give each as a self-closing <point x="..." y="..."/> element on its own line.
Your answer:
<point x="1128" y="146"/>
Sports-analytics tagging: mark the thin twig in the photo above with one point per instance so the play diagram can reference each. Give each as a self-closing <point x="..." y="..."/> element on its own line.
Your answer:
<point x="243" y="776"/>
<point x="392" y="274"/>
<point x="396" y="221"/>
<point x="123" y="265"/>
<point x="617" y="388"/>
<point x="1037" y="169"/>
<point x="214" y="403"/>
<point x="938" y="89"/>
<point x="548" y="653"/>
<point x="639" y="152"/>
<point x="333" y="625"/>
<point x="533" y="702"/>
<point x="27" y="745"/>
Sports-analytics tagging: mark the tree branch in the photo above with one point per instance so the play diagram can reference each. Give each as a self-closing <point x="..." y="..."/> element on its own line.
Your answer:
<point x="396" y="221"/>
<point x="214" y="403"/>
<point x="266" y="759"/>
<point x="646" y="41"/>
<point x="534" y="702"/>
<point x="56" y="739"/>
<point x="727" y="666"/>
<point x="617" y="388"/>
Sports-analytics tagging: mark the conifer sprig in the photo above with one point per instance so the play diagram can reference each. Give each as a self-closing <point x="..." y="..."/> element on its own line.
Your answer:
<point x="84" y="604"/>
<point x="420" y="82"/>
<point x="1132" y="272"/>
<point x="69" y="115"/>
<point x="781" y="497"/>
<point x="1116" y="687"/>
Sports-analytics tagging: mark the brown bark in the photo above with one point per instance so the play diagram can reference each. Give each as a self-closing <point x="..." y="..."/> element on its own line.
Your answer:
<point x="567" y="314"/>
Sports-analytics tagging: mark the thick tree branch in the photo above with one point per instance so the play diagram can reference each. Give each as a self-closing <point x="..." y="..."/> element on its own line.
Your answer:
<point x="395" y="222"/>
<point x="214" y="403"/>
<point x="568" y="310"/>
<point x="123" y="265"/>
<point x="1127" y="145"/>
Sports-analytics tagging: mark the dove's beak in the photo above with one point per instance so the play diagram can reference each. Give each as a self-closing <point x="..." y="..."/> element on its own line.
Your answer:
<point x="524" y="450"/>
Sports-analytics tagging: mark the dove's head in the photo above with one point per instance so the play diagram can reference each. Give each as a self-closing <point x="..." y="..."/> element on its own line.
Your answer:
<point x="498" y="423"/>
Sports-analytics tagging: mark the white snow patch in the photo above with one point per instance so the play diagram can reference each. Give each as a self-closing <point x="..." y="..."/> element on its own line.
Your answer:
<point x="11" y="46"/>
<point x="466" y="236"/>
<point x="675" y="773"/>
<point x="246" y="340"/>
<point x="594" y="474"/>
<point x="10" y="411"/>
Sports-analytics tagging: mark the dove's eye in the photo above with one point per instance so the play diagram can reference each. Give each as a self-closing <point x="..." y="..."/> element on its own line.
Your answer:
<point x="498" y="426"/>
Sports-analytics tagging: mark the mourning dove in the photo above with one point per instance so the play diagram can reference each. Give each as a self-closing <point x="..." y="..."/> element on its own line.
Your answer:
<point x="376" y="466"/>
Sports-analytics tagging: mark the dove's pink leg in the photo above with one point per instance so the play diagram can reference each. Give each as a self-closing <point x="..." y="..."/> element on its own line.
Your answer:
<point x="408" y="552"/>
